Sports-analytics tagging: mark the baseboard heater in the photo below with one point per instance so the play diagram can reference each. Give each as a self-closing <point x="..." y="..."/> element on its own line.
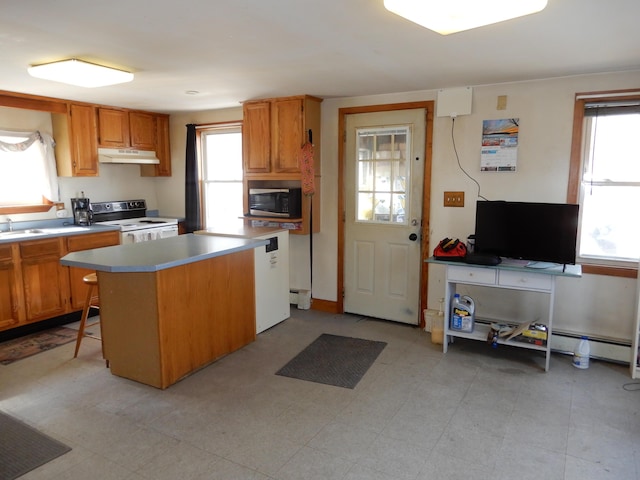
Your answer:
<point x="300" y="298"/>
<point x="601" y="348"/>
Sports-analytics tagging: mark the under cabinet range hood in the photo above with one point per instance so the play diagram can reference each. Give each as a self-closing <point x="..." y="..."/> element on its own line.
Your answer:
<point x="127" y="155"/>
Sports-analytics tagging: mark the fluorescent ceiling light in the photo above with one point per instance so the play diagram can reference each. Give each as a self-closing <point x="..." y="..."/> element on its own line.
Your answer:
<point x="450" y="16"/>
<point x="80" y="73"/>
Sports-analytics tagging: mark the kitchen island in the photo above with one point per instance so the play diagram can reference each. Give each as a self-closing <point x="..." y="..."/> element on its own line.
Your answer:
<point x="174" y="305"/>
<point x="271" y="270"/>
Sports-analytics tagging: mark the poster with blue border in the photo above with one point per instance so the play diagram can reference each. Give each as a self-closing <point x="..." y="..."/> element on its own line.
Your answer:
<point x="499" y="145"/>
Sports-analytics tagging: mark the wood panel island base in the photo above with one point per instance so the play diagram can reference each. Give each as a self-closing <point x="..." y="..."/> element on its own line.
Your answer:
<point x="174" y="305"/>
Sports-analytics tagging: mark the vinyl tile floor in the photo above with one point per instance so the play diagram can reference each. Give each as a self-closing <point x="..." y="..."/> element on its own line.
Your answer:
<point x="417" y="414"/>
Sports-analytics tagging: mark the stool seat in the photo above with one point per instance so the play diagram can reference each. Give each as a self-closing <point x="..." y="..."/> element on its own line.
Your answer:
<point x="91" y="280"/>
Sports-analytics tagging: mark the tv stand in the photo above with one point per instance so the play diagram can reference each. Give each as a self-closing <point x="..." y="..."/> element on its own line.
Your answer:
<point x="505" y="276"/>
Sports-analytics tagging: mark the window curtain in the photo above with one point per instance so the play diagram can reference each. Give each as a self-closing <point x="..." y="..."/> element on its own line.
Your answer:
<point x="192" y="190"/>
<point x="48" y="181"/>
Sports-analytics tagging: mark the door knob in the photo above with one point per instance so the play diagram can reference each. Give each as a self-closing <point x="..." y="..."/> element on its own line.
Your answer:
<point x="413" y="237"/>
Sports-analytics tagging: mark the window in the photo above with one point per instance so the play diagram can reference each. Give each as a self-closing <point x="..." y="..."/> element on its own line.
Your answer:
<point x="221" y="165"/>
<point x="382" y="175"/>
<point x="605" y="170"/>
<point x="27" y="169"/>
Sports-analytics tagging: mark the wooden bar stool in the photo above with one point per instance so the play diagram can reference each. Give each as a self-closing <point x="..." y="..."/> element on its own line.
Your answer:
<point x="91" y="280"/>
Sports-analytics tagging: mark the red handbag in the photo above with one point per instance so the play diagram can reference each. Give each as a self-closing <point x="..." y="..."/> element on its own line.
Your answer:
<point x="450" y="249"/>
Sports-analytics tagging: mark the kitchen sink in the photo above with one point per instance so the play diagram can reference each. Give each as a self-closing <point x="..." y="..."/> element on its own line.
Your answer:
<point x="20" y="233"/>
<point x="52" y="231"/>
<point x="31" y="232"/>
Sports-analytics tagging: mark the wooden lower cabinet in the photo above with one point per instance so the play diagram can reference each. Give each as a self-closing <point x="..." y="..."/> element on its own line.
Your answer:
<point x="34" y="286"/>
<point x="11" y="299"/>
<point x="45" y="281"/>
<point x="77" y="243"/>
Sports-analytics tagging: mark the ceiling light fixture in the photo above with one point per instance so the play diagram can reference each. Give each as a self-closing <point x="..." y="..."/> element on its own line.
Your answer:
<point x="80" y="73"/>
<point x="451" y="16"/>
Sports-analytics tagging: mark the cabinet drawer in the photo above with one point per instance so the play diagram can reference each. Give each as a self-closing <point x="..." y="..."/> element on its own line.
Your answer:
<point x="88" y="241"/>
<point x="483" y="276"/>
<point x="40" y="248"/>
<point x="525" y="280"/>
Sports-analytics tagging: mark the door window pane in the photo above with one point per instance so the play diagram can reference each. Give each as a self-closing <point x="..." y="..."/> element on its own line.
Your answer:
<point x="382" y="174"/>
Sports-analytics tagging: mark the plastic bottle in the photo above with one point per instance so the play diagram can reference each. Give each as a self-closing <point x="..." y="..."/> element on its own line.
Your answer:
<point x="581" y="353"/>
<point x="462" y="313"/>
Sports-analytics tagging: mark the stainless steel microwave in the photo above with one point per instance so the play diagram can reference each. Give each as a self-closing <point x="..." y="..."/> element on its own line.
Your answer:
<point x="275" y="202"/>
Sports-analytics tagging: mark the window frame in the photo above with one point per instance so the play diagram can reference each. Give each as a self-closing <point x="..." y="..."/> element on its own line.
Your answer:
<point x="575" y="166"/>
<point x="42" y="104"/>
<point x="200" y="130"/>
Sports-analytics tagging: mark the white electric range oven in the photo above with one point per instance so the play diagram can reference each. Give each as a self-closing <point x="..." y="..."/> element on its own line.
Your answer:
<point x="131" y="217"/>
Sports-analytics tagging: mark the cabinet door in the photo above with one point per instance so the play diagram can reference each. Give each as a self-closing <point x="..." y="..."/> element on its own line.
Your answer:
<point x="162" y="149"/>
<point x="77" y="243"/>
<point x="113" y="128"/>
<point x="256" y="137"/>
<point x="84" y="148"/>
<point x="287" y="135"/>
<point x="11" y="314"/>
<point x="142" y="128"/>
<point x="45" y="281"/>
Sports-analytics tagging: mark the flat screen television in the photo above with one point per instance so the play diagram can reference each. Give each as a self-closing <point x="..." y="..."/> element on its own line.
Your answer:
<point x="542" y="232"/>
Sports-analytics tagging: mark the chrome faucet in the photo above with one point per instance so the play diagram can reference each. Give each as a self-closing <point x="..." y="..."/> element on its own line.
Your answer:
<point x="10" y="224"/>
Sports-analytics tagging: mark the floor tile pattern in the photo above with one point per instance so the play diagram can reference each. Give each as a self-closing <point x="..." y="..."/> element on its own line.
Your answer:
<point x="417" y="414"/>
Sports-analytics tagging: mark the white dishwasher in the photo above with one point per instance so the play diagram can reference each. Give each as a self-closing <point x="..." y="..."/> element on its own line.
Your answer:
<point x="272" y="281"/>
<point x="271" y="271"/>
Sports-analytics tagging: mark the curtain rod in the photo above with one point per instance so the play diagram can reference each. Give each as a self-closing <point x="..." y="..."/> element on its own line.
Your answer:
<point x="234" y="123"/>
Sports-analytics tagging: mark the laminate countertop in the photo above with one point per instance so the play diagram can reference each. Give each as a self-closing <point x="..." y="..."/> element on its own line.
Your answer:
<point x="158" y="254"/>
<point x="240" y="230"/>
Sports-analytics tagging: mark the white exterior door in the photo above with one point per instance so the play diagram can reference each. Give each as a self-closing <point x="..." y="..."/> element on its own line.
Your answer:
<point x="384" y="174"/>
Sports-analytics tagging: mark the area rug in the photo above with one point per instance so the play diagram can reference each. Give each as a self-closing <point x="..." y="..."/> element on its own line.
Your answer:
<point x="334" y="360"/>
<point x="23" y="347"/>
<point x="23" y="448"/>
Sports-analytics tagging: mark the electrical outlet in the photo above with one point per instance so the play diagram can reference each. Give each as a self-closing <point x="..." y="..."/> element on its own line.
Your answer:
<point x="454" y="199"/>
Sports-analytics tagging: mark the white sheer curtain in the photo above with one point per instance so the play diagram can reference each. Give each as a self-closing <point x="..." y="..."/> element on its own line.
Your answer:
<point x="27" y="167"/>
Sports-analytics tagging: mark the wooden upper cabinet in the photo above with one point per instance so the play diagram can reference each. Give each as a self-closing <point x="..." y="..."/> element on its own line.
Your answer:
<point x="162" y="149"/>
<point x="76" y="148"/>
<point x="80" y="128"/>
<point x="113" y="128"/>
<point x="287" y="134"/>
<point x="256" y="137"/>
<point x="273" y="132"/>
<point x="142" y="128"/>
<point x="124" y="129"/>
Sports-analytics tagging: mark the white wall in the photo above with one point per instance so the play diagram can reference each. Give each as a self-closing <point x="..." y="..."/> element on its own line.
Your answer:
<point x="594" y="305"/>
